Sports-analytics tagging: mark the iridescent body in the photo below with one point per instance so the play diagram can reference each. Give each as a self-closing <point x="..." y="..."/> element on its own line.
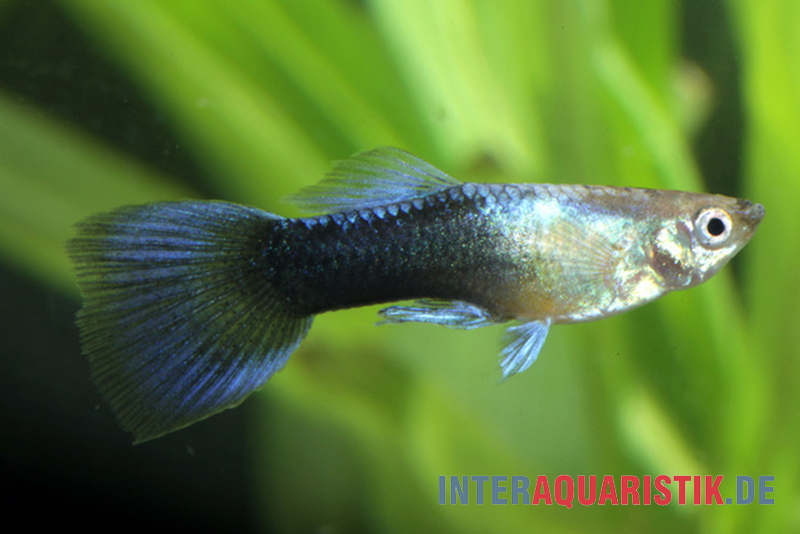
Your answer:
<point x="190" y="306"/>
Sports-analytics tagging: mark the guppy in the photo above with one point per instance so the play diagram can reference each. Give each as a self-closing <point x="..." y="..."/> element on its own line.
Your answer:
<point x="190" y="306"/>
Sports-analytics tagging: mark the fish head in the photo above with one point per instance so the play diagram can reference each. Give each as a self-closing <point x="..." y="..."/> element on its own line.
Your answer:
<point x="695" y="235"/>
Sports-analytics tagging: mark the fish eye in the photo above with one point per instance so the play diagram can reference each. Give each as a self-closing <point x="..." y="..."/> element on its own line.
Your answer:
<point x="713" y="226"/>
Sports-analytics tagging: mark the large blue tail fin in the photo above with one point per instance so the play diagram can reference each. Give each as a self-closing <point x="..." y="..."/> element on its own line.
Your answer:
<point x="179" y="320"/>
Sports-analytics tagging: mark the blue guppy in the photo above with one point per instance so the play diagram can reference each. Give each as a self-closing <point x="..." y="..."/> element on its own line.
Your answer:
<point x="190" y="306"/>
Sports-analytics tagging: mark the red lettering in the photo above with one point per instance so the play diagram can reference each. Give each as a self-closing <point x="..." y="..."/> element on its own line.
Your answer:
<point x="582" y="490"/>
<point x="697" y="489"/>
<point x="608" y="483"/>
<point x="542" y="491"/>
<point x="565" y="500"/>
<point x="712" y="490"/>
<point x="682" y="480"/>
<point x="647" y="489"/>
<point x="630" y="489"/>
<point x="666" y="495"/>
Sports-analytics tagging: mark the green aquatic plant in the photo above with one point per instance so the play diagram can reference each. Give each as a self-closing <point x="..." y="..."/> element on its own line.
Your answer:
<point x="264" y="94"/>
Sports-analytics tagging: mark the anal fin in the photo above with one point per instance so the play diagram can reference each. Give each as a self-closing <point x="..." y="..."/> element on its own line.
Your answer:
<point x="449" y="313"/>
<point x="523" y="342"/>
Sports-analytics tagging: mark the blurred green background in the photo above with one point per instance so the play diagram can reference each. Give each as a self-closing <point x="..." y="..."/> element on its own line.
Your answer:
<point x="112" y="102"/>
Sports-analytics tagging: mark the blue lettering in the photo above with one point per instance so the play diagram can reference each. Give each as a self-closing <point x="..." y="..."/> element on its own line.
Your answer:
<point x="480" y="480"/>
<point x="442" y="492"/>
<point x="764" y="489"/>
<point x="463" y="490"/>
<point x="497" y="490"/>
<point x="740" y="484"/>
<point x="517" y="490"/>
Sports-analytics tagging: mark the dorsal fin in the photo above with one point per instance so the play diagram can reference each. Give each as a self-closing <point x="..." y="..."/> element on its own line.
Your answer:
<point x="377" y="177"/>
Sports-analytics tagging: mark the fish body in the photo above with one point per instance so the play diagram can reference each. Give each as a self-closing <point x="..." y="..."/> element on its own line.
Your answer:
<point x="190" y="306"/>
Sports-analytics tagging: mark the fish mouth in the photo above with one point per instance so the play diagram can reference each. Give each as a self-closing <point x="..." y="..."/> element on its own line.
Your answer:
<point x="757" y="213"/>
<point x="750" y="212"/>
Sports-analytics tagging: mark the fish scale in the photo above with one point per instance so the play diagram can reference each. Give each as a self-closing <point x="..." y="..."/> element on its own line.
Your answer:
<point x="430" y="250"/>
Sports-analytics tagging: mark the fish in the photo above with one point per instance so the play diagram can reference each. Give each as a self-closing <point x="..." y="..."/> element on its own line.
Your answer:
<point x="190" y="306"/>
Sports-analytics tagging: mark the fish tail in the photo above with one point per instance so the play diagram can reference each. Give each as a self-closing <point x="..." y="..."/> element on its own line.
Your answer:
<point x="180" y="320"/>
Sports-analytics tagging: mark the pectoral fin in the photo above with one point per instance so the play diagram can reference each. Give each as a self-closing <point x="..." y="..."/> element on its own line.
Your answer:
<point x="523" y="345"/>
<point x="453" y="314"/>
